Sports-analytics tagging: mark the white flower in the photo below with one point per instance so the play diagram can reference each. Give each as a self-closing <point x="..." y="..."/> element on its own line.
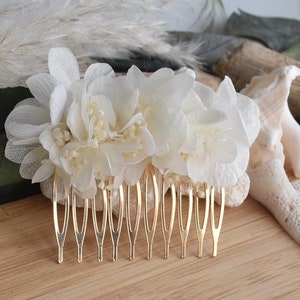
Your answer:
<point x="160" y="100"/>
<point x="212" y="144"/>
<point x="222" y="126"/>
<point x="86" y="129"/>
<point x="99" y="126"/>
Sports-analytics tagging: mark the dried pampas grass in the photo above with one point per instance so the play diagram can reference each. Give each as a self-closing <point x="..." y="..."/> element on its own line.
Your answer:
<point x="106" y="28"/>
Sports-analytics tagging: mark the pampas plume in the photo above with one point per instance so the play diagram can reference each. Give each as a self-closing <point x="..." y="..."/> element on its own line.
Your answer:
<point x="106" y="28"/>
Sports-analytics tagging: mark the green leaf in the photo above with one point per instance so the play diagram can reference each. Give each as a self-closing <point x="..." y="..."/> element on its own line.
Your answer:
<point x="12" y="185"/>
<point x="9" y="97"/>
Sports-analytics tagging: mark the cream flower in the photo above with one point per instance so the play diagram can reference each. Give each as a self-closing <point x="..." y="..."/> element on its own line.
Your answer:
<point x="99" y="126"/>
<point x="83" y="132"/>
<point x="222" y="126"/>
<point x="212" y="144"/>
<point x="160" y="100"/>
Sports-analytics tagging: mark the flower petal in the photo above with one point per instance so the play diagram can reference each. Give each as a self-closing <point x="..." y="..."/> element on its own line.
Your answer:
<point x="133" y="120"/>
<point x="221" y="174"/>
<point x="44" y="172"/>
<point x="89" y="193"/>
<point x="206" y="94"/>
<point x="136" y="76"/>
<point x="163" y="126"/>
<point x="30" y="102"/>
<point x="226" y="95"/>
<point x="173" y="90"/>
<point x="196" y="168"/>
<point x="28" y="141"/>
<point x="172" y="161"/>
<point x="162" y="74"/>
<point x="211" y="116"/>
<point x="147" y="141"/>
<point x="237" y="127"/>
<point x="41" y="87"/>
<point x="76" y="124"/>
<point x="250" y="114"/>
<point x="96" y="70"/>
<point x="102" y="169"/>
<point x="106" y="108"/>
<point x="36" y="154"/>
<point x="83" y="178"/>
<point x="28" y="114"/>
<point x="57" y="104"/>
<point x="221" y="151"/>
<point x="48" y="143"/>
<point x="24" y="131"/>
<point x="124" y="99"/>
<point x="27" y="171"/>
<point x="114" y="158"/>
<point x="16" y="153"/>
<point x="63" y="65"/>
<point x="66" y="157"/>
<point x="134" y="172"/>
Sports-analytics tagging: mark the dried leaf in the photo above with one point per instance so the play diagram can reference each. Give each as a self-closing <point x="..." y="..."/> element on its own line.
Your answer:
<point x="293" y="52"/>
<point x="276" y="33"/>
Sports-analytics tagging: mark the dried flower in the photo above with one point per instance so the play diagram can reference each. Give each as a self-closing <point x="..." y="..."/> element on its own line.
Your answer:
<point x="81" y="131"/>
<point x="99" y="126"/>
<point x="221" y="128"/>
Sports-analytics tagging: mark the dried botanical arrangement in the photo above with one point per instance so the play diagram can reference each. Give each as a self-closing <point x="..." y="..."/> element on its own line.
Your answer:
<point x="119" y="144"/>
<point x="102" y="133"/>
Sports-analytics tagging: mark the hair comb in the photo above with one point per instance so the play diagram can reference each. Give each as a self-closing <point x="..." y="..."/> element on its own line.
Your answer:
<point x="137" y="196"/>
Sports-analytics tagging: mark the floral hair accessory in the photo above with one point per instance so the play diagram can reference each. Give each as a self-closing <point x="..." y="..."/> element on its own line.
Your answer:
<point x="103" y="128"/>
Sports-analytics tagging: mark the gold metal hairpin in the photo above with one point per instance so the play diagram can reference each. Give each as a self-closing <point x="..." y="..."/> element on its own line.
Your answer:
<point x="100" y="234"/>
<point x="79" y="234"/>
<point x="115" y="233"/>
<point x="132" y="233"/>
<point x="60" y="235"/>
<point x="167" y="230"/>
<point x="130" y="201"/>
<point x="150" y="230"/>
<point x="216" y="229"/>
<point x="201" y="229"/>
<point x="184" y="230"/>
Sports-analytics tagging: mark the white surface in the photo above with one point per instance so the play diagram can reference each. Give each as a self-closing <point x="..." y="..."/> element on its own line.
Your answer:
<point x="184" y="16"/>
<point x="270" y="8"/>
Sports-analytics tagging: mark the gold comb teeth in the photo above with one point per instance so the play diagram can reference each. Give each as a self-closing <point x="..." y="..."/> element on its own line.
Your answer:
<point x="79" y="234"/>
<point x="132" y="233"/>
<point x="167" y="230"/>
<point x="150" y="230"/>
<point x="184" y="230"/>
<point x="100" y="234"/>
<point x="115" y="233"/>
<point x="201" y="229"/>
<point x="130" y="201"/>
<point x="60" y="235"/>
<point x="216" y="229"/>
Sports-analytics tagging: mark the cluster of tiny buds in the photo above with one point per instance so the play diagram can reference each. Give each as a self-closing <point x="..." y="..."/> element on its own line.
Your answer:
<point x="61" y="136"/>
